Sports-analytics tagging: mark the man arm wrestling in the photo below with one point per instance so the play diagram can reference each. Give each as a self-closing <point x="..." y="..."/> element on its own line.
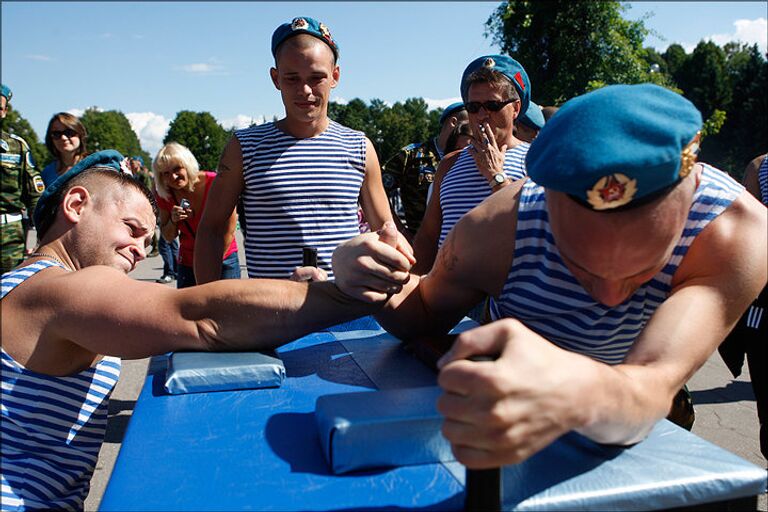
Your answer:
<point x="613" y="277"/>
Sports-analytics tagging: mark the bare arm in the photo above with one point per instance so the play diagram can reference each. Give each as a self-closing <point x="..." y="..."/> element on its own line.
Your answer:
<point x="427" y="238"/>
<point x="168" y="228"/>
<point x="373" y="199"/>
<point x="217" y="222"/>
<point x="226" y="315"/>
<point x="750" y="181"/>
<point x="472" y="263"/>
<point x="495" y="411"/>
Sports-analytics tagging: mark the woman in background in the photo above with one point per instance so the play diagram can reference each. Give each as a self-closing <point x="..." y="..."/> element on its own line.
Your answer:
<point x="66" y="139"/>
<point x="182" y="190"/>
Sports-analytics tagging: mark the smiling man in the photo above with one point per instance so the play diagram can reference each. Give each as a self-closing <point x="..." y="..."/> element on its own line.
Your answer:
<point x="299" y="178"/>
<point x="614" y="272"/>
<point x="69" y="315"/>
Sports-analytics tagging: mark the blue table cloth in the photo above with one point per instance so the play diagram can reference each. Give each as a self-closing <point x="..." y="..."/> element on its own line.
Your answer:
<point x="260" y="449"/>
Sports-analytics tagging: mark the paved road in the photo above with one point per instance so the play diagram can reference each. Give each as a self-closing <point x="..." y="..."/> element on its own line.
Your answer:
<point x="725" y="407"/>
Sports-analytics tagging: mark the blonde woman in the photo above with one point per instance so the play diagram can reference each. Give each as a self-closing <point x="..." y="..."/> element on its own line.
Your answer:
<point x="182" y="189"/>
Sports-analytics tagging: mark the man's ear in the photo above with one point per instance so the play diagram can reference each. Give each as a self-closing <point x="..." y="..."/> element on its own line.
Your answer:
<point x="517" y="106"/>
<point x="273" y="76"/>
<point x="74" y="202"/>
<point x="335" y="74"/>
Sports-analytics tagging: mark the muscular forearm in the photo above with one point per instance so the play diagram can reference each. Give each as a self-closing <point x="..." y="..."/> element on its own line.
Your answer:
<point x="406" y="317"/>
<point x="623" y="402"/>
<point x="263" y="313"/>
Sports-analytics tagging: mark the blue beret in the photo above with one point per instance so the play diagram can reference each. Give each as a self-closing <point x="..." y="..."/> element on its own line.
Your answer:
<point x="6" y="91"/>
<point x="303" y="25"/>
<point x="616" y="145"/>
<point x="508" y="67"/>
<point x="450" y="109"/>
<point x="138" y="158"/>
<point x="533" y="117"/>
<point x="107" y="159"/>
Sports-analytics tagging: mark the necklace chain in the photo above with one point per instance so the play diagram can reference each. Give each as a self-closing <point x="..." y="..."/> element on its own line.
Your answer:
<point x="51" y="256"/>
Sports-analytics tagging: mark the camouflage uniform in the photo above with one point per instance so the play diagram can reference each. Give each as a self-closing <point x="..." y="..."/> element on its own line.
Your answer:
<point x="20" y="188"/>
<point x="411" y="171"/>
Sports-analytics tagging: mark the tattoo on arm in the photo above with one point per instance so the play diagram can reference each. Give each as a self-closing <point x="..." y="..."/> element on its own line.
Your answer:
<point x="223" y="168"/>
<point x="448" y="258"/>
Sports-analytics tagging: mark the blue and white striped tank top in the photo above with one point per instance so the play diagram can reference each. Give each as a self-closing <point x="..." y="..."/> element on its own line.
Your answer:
<point x="542" y="293"/>
<point x="52" y="427"/>
<point x="463" y="187"/>
<point x="762" y="179"/>
<point x="299" y="193"/>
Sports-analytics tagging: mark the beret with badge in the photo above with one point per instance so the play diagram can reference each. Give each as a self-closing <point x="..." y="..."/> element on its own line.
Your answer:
<point x="508" y="67"/>
<point x="617" y="147"/>
<point x="5" y="91"/>
<point x="303" y="25"/>
<point x="533" y="117"/>
<point x="108" y="159"/>
<point x="451" y="109"/>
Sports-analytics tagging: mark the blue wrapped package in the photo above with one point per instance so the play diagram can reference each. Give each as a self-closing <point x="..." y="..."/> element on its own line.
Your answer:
<point x="200" y="372"/>
<point x="399" y="427"/>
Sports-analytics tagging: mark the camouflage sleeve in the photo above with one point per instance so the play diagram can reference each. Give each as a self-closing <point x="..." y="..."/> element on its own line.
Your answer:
<point x="32" y="183"/>
<point x="392" y="172"/>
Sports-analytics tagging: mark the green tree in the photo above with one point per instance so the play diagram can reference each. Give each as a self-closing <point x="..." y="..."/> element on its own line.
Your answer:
<point x="704" y="79"/>
<point x="15" y="123"/>
<point x="744" y="135"/>
<point x="201" y="133"/>
<point x="568" y="48"/>
<point x="111" y="130"/>
<point x="674" y="58"/>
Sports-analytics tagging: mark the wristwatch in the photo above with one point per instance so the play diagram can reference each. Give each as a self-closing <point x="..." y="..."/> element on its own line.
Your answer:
<point x="497" y="179"/>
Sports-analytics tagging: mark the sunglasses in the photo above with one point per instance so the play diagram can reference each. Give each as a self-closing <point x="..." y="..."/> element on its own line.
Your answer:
<point x="473" y="107"/>
<point x="69" y="133"/>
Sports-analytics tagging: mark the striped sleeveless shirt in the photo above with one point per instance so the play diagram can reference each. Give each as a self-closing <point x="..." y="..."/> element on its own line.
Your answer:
<point x="542" y="293"/>
<point x="463" y="187"/>
<point x="299" y="193"/>
<point x="762" y="179"/>
<point x="52" y="427"/>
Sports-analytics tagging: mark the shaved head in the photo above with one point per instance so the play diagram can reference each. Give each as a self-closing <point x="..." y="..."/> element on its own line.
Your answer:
<point x="103" y="185"/>
<point x="302" y="42"/>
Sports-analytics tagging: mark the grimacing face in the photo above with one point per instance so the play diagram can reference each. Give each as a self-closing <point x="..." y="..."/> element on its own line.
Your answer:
<point x="613" y="254"/>
<point x="117" y="230"/>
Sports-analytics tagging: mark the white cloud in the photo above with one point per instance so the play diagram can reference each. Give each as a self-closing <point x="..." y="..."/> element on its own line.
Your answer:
<point x="197" y="68"/>
<point x="78" y="112"/>
<point x="745" y="31"/>
<point x="202" y="68"/>
<point x="433" y="104"/>
<point x="340" y="100"/>
<point x="241" y="121"/>
<point x="42" y="58"/>
<point x="150" y="128"/>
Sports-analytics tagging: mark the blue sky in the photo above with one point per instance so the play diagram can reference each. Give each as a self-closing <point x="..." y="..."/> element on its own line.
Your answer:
<point x="152" y="59"/>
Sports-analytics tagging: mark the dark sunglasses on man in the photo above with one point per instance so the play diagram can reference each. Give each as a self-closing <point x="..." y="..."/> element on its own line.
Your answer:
<point x="69" y="133"/>
<point x="473" y="107"/>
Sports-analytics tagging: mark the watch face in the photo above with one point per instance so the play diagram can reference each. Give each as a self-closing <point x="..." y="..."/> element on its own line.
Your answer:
<point x="499" y="178"/>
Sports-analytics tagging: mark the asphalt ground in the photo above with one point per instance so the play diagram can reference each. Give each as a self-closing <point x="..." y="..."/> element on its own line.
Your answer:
<point x="726" y="414"/>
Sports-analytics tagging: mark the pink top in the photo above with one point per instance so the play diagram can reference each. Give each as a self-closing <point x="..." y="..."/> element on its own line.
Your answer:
<point x="188" y="228"/>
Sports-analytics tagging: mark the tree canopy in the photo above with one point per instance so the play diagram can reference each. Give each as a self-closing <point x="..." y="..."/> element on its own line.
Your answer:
<point x="201" y="133"/>
<point x="110" y="129"/>
<point x="569" y="48"/>
<point x="389" y="128"/>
